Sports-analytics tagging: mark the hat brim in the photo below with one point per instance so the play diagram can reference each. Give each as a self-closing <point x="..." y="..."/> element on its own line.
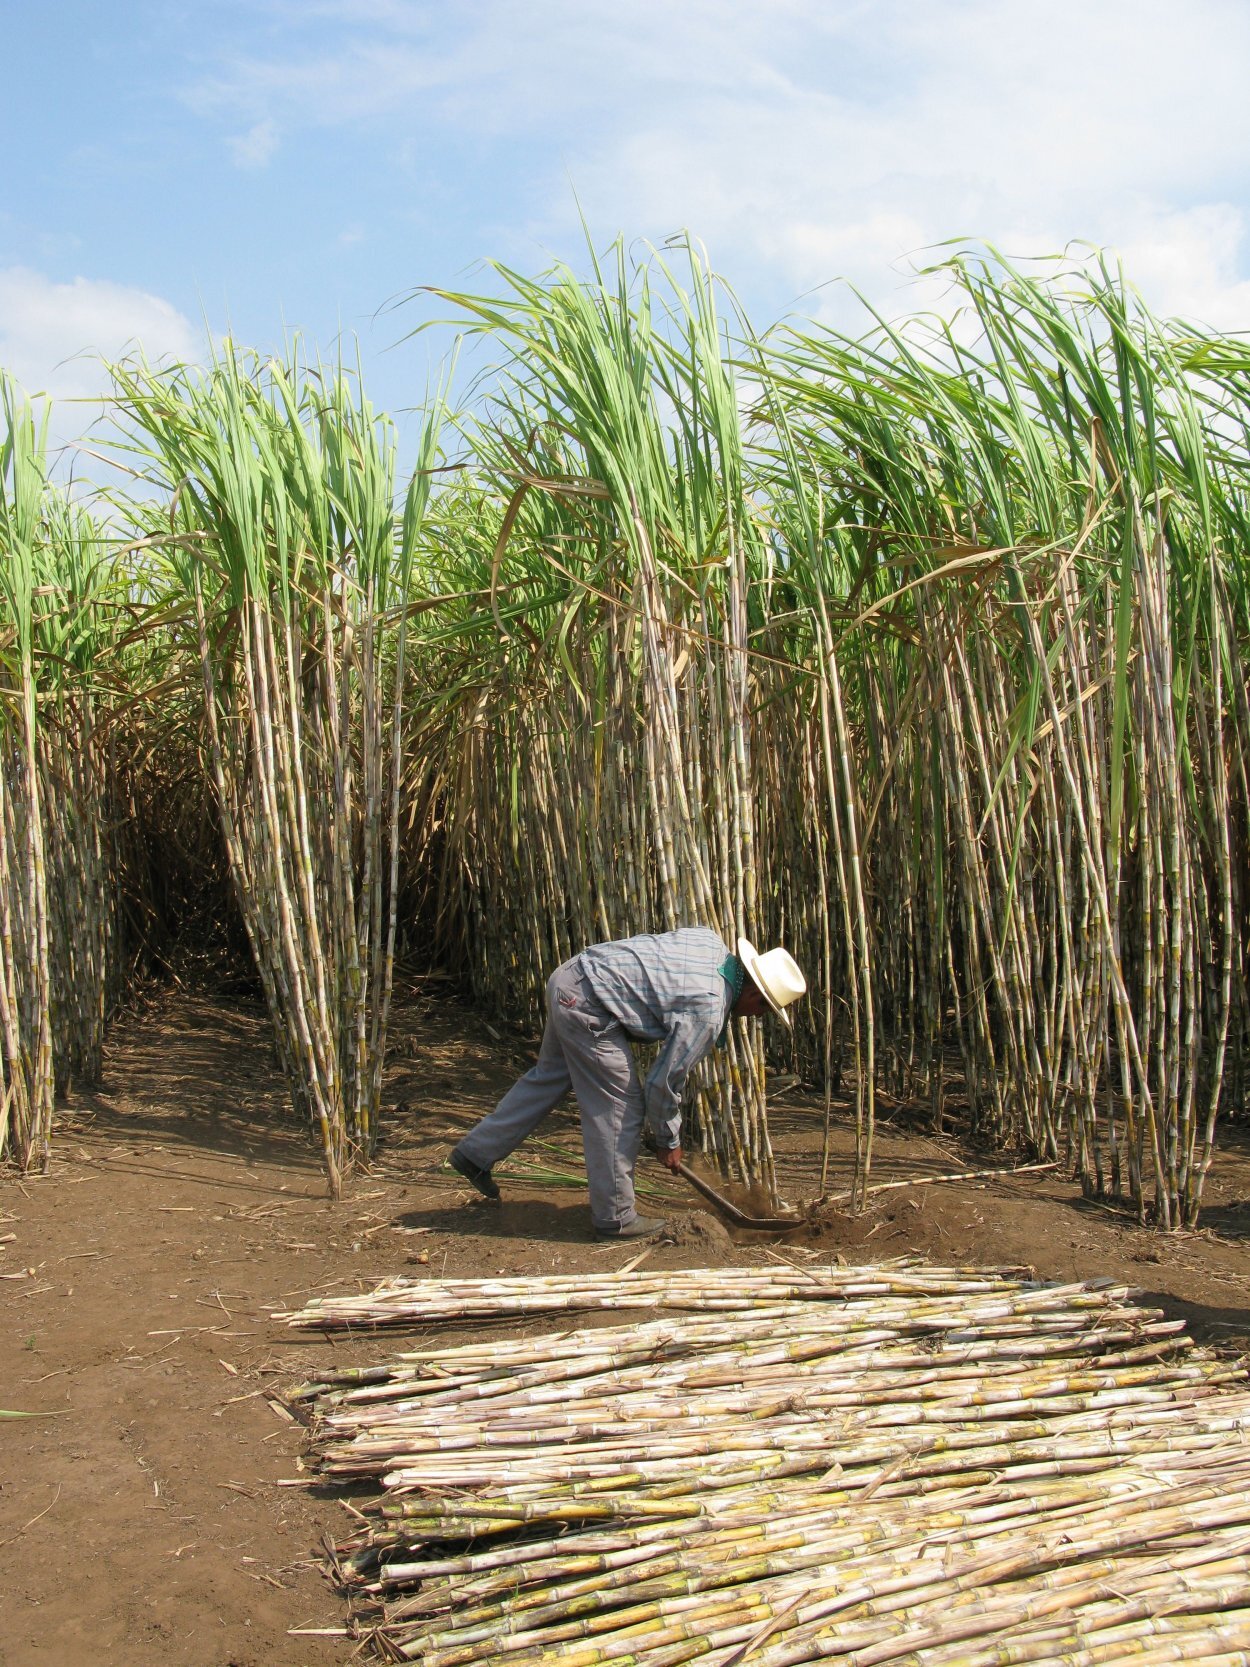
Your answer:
<point x="749" y="956"/>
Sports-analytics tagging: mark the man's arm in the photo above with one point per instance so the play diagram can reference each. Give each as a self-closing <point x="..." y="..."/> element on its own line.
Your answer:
<point x="689" y="1041"/>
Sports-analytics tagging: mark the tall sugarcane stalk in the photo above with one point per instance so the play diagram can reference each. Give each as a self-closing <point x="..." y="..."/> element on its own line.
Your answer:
<point x="25" y="980"/>
<point x="285" y="541"/>
<point x="57" y="880"/>
<point x="631" y="544"/>
<point x="78" y="645"/>
<point x="1055" y="491"/>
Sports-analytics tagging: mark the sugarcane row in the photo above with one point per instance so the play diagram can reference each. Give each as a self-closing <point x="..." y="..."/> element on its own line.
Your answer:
<point x="59" y="965"/>
<point x="907" y="1474"/>
<point x="971" y="811"/>
<point x="928" y="663"/>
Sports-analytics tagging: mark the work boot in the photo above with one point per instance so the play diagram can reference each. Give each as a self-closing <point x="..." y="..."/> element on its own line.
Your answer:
<point x="641" y="1227"/>
<point x="474" y="1174"/>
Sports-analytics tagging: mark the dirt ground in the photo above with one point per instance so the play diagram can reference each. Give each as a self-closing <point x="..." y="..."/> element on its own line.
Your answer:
<point x="143" y="1516"/>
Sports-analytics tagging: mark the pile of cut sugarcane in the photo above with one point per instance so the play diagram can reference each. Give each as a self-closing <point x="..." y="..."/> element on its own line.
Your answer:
<point x="882" y="1464"/>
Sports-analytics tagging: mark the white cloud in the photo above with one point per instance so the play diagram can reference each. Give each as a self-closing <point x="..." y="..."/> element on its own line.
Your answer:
<point x="53" y="335"/>
<point x="1190" y="264"/>
<point x="1111" y="122"/>
<point x="255" y="148"/>
<point x="804" y="140"/>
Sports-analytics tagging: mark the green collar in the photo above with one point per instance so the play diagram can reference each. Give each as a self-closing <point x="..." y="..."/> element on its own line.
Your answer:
<point x="735" y="975"/>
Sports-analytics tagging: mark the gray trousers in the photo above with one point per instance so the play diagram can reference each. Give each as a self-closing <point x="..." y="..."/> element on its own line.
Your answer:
<point x="585" y="1049"/>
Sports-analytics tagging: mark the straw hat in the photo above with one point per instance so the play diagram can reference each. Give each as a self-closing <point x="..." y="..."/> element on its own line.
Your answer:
<point x="775" y="975"/>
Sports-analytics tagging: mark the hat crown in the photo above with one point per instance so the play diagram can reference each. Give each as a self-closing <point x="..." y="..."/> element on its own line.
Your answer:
<point x="775" y="973"/>
<point x="778" y="972"/>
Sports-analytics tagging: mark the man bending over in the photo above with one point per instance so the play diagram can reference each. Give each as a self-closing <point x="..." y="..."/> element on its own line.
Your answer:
<point x="677" y="988"/>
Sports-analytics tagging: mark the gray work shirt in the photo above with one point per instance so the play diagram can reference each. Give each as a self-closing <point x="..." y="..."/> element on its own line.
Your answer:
<point x="664" y="988"/>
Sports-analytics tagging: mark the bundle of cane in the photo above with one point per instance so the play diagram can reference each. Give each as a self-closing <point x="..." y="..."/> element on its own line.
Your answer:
<point x="415" y="1302"/>
<point x="917" y="1475"/>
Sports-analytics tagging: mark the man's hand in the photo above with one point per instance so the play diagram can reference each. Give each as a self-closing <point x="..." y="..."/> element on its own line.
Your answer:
<point x="672" y="1160"/>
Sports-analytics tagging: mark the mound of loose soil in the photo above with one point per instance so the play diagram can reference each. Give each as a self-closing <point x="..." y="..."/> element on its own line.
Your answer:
<point x="696" y="1231"/>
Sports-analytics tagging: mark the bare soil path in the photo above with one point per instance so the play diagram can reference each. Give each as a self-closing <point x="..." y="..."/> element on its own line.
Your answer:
<point x="142" y="1519"/>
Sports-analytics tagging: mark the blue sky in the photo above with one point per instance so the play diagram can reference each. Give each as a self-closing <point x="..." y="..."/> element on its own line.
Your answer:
<point x="261" y="164"/>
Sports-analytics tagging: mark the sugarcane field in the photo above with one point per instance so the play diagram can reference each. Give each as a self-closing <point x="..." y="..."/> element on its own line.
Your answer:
<point x="625" y="1023"/>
